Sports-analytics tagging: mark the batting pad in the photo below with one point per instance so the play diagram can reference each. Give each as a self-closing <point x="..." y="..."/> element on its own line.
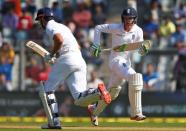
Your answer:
<point x="114" y="92"/>
<point x="135" y="88"/>
<point x="53" y="103"/>
<point x="43" y="97"/>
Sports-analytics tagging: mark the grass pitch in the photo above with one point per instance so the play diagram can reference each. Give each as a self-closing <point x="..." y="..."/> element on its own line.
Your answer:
<point x="150" y="124"/>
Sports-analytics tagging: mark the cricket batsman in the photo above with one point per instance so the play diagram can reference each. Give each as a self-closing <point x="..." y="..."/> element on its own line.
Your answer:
<point x="67" y="66"/>
<point x="120" y="65"/>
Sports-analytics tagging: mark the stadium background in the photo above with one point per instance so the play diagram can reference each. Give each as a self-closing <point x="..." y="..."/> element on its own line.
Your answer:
<point x="21" y="70"/>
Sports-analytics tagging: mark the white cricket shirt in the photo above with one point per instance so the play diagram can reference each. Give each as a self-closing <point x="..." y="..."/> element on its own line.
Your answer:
<point x="69" y="42"/>
<point x="119" y="37"/>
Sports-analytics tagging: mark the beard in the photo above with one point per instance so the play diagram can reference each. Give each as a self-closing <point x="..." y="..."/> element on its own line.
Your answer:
<point x="43" y="26"/>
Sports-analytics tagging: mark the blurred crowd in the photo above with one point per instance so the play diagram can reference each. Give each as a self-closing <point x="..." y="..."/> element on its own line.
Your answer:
<point x="165" y="25"/>
<point x="163" y="22"/>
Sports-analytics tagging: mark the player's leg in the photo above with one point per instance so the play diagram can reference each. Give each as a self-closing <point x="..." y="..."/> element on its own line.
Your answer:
<point x="95" y="109"/>
<point x="113" y="88"/>
<point x="77" y="83"/>
<point x="135" y="89"/>
<point x="98" y="107"/>
<point x="51" y="109"/>
<point x="48" y="97"/>
<point x="92" y="95"/>
<point x="118" y="71"/>
<point x="93" y="118"/>
<point x="101" y="105"/>
<point x="125" y="71"/>
<point x="114" y="84"/>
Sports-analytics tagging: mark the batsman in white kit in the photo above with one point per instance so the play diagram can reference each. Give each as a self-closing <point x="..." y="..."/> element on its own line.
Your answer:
<point x="67" y="66"/>
<point x="119" y="63"/>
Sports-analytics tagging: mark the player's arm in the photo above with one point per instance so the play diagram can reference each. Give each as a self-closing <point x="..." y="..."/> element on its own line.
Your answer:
<point x="58" y="43"/>
<point x="106" y="28"/>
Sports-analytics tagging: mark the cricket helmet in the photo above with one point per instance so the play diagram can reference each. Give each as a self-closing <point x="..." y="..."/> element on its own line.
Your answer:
<point x="44" y="12"/>
<point x="129" y="12"/>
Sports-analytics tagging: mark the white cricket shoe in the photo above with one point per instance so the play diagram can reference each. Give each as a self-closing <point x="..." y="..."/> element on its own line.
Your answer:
<point x="138" y="118"/>
<point x="93" y="118"/>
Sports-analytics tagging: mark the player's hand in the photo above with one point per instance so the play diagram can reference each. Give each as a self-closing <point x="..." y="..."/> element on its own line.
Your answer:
<point x="49" y="59"/>
<point x="95" y="49"/>
<point x="143" y="50"/>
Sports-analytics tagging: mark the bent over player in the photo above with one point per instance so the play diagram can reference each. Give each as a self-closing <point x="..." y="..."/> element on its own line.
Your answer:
<point x="68" y="67"/>
<point x="120" y="65"/>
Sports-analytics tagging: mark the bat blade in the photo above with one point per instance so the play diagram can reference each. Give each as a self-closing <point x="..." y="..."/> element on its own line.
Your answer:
<point x="133" y="46"/>
<point x="37" y="48"/>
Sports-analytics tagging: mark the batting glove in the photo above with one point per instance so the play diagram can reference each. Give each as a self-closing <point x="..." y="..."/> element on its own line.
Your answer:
<point x="49" y="59"/>
<point x="95" y="49"/>
<point x="143" y="50"/>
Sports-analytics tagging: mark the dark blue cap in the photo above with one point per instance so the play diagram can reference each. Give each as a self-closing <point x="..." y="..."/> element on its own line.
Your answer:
<point x="130" y="12"/>
<point x="46" y="11"/>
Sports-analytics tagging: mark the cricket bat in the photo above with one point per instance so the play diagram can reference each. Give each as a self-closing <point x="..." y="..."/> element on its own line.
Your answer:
<point x="37" y="48"/>
<point x="130" y="46"/>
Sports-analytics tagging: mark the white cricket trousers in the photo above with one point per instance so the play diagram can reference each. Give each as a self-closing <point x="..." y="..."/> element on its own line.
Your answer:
<point x="69" y="68"/>
<point x="120" y="69"/>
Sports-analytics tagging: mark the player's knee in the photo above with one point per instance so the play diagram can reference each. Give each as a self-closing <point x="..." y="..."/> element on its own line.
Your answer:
<point x="50" y="96"/>
<point x="136" y="81"/>
<point x="114" y="92"/>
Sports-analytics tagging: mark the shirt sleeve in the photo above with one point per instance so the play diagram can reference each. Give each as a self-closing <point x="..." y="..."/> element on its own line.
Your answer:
<point x="52" y="30"/>
<point x="105" y="28"/>
<point x="140" y="35"/>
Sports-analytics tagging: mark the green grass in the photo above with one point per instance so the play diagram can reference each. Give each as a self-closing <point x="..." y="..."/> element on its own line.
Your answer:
<point x="105" y="124"/>
<point x="86" y="126"/>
